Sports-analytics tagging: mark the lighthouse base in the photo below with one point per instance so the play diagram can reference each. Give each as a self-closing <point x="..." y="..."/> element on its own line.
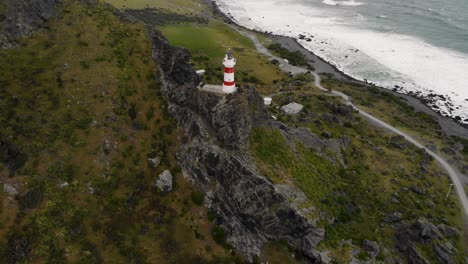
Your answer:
<point x="229" y="89"/>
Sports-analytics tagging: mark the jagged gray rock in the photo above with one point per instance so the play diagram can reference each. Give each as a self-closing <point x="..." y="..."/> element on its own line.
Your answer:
<point x="10" y="189"/>
<point x="215" y="157"/>
<point x="393" y="217"/>
<point x="418" y="190"/>
<point x="445" y="252"/>
<point x="447" y="231"/>
<point x="24" y="17"/>
<point x="164" y="181"/>
<point x="424" y="232"/>
<point x="371" y="247"/>
<point x="11" y="156"/>
<point x="154" y="162"/>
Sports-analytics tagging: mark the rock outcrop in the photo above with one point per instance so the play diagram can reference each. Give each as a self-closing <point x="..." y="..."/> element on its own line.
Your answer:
<point x="23" y="17"/>
<point x="164" y="181"/>
<point x="422" y="231"/>
<point x="214" y="156"/>
<point x="11" y="156"/>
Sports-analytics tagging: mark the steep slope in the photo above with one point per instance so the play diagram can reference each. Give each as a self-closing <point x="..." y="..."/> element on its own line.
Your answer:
<point x="214" y="155"/>
<point x="85" y="135"/>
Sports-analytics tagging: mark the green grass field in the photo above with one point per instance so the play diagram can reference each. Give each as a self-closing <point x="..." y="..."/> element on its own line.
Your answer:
<point x="178" y="6"/>
<point x="208" y="45"/>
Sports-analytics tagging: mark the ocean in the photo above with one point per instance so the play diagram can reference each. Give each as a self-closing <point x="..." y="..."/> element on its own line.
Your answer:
<point x="414" y="46"/>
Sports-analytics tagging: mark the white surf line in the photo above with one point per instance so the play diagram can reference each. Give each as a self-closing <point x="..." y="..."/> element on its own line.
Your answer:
<point x="454" y="176"/>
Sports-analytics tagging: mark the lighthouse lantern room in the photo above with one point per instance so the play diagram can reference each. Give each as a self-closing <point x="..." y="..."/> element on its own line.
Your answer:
<point x="229" y="85"/>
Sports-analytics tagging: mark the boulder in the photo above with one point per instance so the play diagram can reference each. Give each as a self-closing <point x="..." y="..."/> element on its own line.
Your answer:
<point x="31" y="198"/>
<point x="418" y="190"/>
<point x="344" y="142"/>
<point x="408" y="234"/>
<point x="371" y="247"/>
<point x="164" y="181"/>
<point x="11" y="156"/>
<point x="154" y="162"/>
<point x="398" y="142"/>
<point x="10" y="190"/>
<point x="449" y="151"/>
<point x="326" y="134"/>
<point x="445" y="252"/>
<point x="393" y="217"/>
<point x="24" y="17"/>
<point x="18" y="248"/>
<point x="414" y="257"/>
<point x="448" y="231"/>
<point x="424" y="230"/>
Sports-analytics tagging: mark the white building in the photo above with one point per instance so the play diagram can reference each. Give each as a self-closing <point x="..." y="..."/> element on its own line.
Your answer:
<point x="292" y="108"/>
<point x="267" y="100"/>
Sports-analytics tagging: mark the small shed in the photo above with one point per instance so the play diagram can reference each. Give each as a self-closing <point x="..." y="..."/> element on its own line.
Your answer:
<point x="292" y="108"/>
<point x="201" y="72"/>
<point x="267" y="100"/>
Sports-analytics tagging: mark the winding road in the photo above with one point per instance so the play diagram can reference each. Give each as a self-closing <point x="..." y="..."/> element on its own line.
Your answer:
<point x="454" y="175"/>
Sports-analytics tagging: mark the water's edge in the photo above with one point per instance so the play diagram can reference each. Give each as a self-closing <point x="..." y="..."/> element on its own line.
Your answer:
<point x="449" y="124"/>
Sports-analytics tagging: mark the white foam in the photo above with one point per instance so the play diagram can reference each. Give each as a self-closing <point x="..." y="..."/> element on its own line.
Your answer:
<point x="386" y="59"/>
<point x="342" y="3"/>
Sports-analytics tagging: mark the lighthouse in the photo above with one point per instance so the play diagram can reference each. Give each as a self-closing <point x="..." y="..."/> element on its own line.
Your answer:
<point x="229" y="85"/>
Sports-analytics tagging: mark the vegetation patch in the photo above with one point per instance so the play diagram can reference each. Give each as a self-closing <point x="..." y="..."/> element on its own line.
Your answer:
<point x="208" y="45"/>
<point x="294" y="57"/>
<point x="378" y="178"/>
<point x="158" y="17"/>
<point x="81" y="113"/>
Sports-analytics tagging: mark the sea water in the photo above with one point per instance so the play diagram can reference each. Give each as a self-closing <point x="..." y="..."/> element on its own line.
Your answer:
<point x="416" y="46"/>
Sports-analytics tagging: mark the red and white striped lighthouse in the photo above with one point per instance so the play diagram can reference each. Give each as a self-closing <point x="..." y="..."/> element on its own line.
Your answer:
<point x="229" y="85"/>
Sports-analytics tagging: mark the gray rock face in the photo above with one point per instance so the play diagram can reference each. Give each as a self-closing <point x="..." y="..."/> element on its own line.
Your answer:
<point x="424" y="232"/>
<point x="418" y="190"/>
<point x="11" y="156"/>
<point x="371" y="247"/>
<point x="398" y="142"/>
<point x="154" y="162"/>
<point x="393" y="217"/>
<point x="326" y="134"/>
<point x="164" y="181"/>
<point x="445" y="252"/>
<point x="447" y="231"/>
<point x="24" y="17"/>
<point x="216" y="159"/>
<point x="10" y="189"/>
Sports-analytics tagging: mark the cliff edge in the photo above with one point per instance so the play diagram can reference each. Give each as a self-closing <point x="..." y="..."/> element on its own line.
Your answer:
<point x="214" y="156"/>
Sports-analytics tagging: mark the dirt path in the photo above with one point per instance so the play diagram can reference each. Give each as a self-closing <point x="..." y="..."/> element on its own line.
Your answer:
<point x="454" y="175"/>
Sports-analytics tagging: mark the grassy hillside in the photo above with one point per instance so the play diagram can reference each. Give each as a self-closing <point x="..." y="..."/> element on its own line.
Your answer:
<point x="208" y="43"/>
<point x="178" y="6"/>
<point x="81" y="112"/>
<point x="360" y="195"/>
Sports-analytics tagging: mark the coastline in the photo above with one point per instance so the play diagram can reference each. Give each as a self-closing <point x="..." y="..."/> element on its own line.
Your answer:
<point x="449" y="125"/>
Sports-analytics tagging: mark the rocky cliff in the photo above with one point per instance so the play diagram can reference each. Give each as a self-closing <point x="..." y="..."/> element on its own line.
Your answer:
<point x="24" y="17"/>
<point x="214" y="156"/>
